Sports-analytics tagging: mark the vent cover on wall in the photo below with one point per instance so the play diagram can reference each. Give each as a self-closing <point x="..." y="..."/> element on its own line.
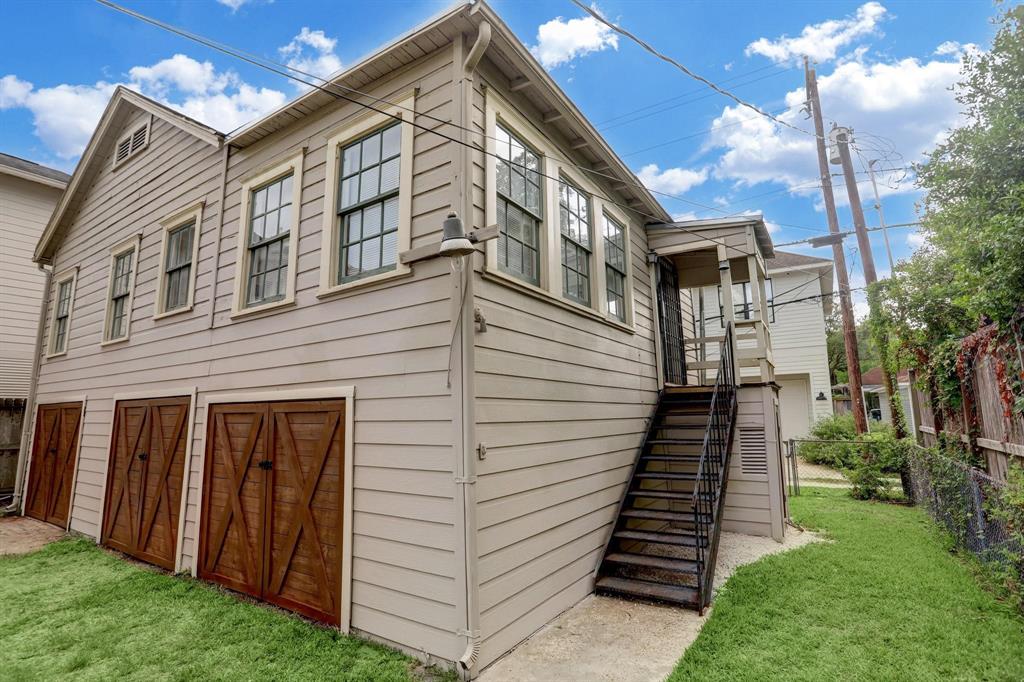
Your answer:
<point x="753" y="450"/>
<point x="128" y="145"/>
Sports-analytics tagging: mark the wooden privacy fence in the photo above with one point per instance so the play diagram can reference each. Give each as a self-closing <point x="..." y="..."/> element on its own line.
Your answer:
<point x="998" y="438"/>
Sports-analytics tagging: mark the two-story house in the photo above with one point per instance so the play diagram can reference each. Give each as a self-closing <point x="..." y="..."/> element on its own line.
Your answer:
<point x="259" y="369"/>
<point x="28" y="193"/>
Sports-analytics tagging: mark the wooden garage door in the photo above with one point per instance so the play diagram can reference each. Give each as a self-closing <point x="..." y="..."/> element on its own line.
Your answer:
<point x="144" y="478"/>
<point x="272" y="503"/>
<point x="52" y="467"/>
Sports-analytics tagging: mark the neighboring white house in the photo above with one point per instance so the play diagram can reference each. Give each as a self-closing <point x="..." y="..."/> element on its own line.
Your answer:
<point x="28" y="193"/>
<point x="876" y="399"/>
<point x="799" y="293"/>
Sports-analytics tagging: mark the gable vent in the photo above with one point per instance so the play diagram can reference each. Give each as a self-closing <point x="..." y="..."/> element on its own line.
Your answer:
<point x="753" y="451"/>
<point x="131" y="143"/>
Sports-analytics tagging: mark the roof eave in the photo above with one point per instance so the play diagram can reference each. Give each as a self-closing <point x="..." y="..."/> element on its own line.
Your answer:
<point x="32" y="177"/>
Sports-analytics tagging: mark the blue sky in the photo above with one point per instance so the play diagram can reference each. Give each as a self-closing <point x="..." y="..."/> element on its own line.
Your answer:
<point x="885" y="69"/>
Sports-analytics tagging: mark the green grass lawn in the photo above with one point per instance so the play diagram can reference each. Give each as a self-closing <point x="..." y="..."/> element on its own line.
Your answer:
<point x="72" y="610"/>
<point x="884" y="600"/>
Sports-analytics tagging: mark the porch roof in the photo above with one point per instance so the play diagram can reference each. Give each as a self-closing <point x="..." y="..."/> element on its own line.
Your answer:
<point x="710" y="225"/>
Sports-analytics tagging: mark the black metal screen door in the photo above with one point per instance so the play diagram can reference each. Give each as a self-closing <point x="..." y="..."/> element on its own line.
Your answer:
<point x="670" y="319"/>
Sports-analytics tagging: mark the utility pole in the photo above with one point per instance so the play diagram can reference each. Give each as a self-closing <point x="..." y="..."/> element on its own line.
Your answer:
<point x="845" y="304"/>
<point x="881" y="216"/>
<point x="842" y="137"/>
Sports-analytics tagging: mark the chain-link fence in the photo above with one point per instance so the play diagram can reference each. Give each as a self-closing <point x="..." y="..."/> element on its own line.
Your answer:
<point x="815" y="462"/>
<point x="968" y="503"/>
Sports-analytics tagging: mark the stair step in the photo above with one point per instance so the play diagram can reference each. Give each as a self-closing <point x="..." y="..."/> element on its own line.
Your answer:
<point x="647" y="561"/>
<point x="676" y="594"/>
<point x="684" y="458"/>
<point x="685" y="496"/>
<point x="660" y="515"/>
<point x="682" y="539"/>
<point x="667" y="476"/>
<point x="676" y="441"/>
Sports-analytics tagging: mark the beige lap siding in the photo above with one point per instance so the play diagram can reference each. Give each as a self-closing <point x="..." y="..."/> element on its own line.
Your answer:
<point x="561" y="406"/>
<point x="390" y="341"/>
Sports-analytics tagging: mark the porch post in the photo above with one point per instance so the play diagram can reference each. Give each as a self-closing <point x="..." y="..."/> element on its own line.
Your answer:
<point x="728" y="312"/>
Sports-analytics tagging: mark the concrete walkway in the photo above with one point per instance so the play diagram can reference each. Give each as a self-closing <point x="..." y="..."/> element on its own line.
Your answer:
<point x="20" y="534"/>
<point x="615" y="640"/>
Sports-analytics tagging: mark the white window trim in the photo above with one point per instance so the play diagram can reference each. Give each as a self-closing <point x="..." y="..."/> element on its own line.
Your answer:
<point x="337" y="139"/>
<point x="132" y="244"/>
<point x="128" y="136"/>
<point x="292" y="166"/>
<point x="70" y="274"/>
<point x="193" y="213"/>
<point x="550" y="288"/>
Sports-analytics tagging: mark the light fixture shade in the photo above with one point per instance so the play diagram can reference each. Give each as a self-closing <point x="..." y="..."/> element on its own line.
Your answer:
<point x="454" y="242"/>
<point x="821" y="396"/>
<point x="723" y="265"/>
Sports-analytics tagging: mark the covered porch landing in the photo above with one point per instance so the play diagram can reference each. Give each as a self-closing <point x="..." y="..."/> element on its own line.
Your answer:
<point x="730" y="253"/>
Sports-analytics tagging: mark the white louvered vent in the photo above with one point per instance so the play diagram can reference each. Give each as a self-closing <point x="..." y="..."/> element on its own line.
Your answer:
<point x="753" y="451"/>
<point x="131" y="143"/>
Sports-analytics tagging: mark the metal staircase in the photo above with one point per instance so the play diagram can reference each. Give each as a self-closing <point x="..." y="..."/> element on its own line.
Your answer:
<point x="665" y="540"/>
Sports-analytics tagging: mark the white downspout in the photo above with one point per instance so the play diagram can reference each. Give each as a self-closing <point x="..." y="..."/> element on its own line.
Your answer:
<point x="467" y="475"/>
<point x="30" y="401"/>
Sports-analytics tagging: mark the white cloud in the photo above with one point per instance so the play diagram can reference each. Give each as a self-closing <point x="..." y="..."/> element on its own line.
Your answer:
<point x="907" y="101"/>
<point x="65" y="115"/>
<point x="671" y="180"/>
<point x="313" y="53"/>
<point x="821" y="42"/>
<point x="13" y="92"/>
<point x="233" y="4"/>
<point x="915" y="239"/>
<point x="948" y="47"/>
<point x="560" y="41"/>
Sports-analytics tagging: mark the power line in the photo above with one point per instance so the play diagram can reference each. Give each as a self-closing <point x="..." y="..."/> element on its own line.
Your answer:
<point x="847" y="233"/>
<point x="257" y="61"/>
<point x="665" y="58"/>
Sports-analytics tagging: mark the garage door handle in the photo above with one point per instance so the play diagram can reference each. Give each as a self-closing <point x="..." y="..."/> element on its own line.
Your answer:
<point x="143" y="456"/>
<point x="266" y="465"/>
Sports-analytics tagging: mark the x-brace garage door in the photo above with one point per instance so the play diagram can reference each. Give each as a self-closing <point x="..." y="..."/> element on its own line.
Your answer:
<point x="52" y="467"/>
<point x="272" y="503"/>
<point x="144" y="478"/>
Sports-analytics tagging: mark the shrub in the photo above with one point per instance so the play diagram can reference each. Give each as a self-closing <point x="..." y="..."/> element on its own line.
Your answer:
<point x="831" y="428"/>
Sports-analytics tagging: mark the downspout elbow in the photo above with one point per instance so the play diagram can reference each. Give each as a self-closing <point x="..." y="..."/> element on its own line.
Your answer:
<point x="483" y="41"/>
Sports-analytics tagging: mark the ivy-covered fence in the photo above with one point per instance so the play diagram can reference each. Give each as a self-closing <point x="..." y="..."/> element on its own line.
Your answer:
<point x="984" y="515"/>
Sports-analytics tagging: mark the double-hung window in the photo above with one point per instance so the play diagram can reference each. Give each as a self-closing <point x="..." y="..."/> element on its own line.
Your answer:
<point x="270" y="222"/>
<point x="123" y="260"/>
<point x="60" y="324"/>
<point x="178" y="256"/>
<point x="574" y="220"/>
<point x="519" y="205"/>
<point x="368" y="205"/>
<point x="615" y="267"/>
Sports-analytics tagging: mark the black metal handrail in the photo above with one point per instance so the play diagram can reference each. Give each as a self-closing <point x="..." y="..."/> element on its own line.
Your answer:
<point x="711" y="470"/>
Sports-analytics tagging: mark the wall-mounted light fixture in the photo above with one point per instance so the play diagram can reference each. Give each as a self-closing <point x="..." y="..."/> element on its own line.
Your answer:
<point x="723" y="265"/>
<point x="821" y="396"/>
<point x="454" y="242"/>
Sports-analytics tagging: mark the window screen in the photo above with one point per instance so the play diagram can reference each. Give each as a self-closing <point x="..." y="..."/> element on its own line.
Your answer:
<point x="60" y="323"/>
<point x="519" y="201"/>
<point x="368" y="208"/>
<point x="178" y="266"/>
<point x="615" y="267"/>
<point x="120" y="287"/>
<point x="574" y="218"/>
<point x="270" y="218"/>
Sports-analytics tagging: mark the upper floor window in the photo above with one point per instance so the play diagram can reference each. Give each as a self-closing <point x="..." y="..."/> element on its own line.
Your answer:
<point x="123" y="259"/>
<point x="743" y="300"/>
<point x="615" y="267"/>
<point x="519" y="205"/>
<point x="368" y="209"/>
<point x="60" y="323"/>
<point x="178" y="256"/>
<point x="267" y="238"/>
<point x="574" y="220"/>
